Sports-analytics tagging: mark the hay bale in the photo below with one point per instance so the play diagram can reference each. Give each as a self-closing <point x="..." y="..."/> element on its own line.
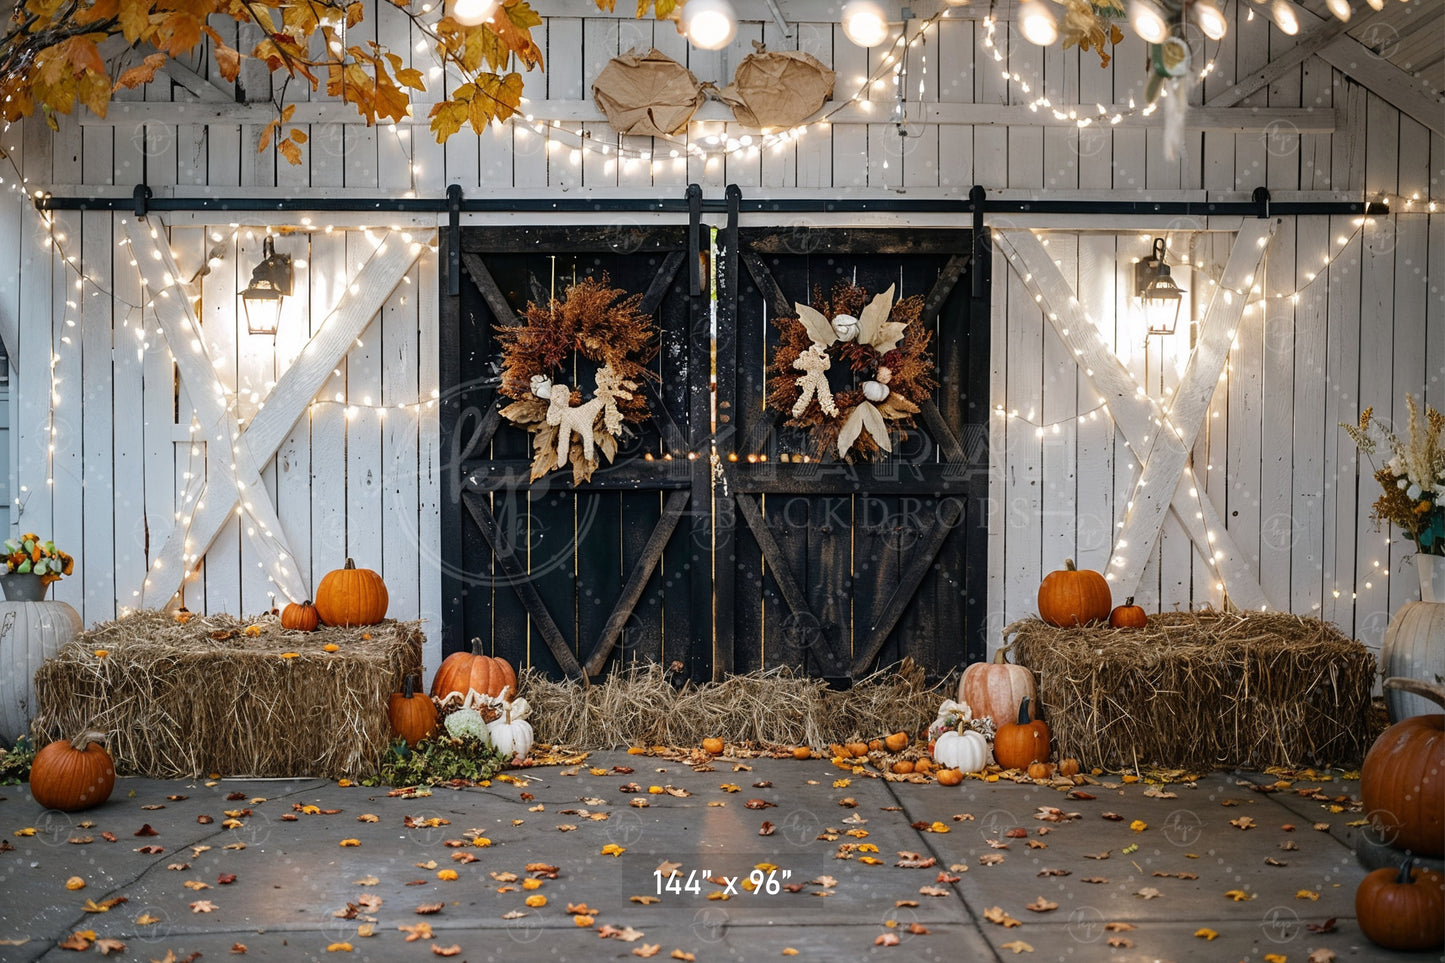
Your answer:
<point x="185" y="700"/>
<point x="1203" y="690"/>
<point x="637" y="706"/>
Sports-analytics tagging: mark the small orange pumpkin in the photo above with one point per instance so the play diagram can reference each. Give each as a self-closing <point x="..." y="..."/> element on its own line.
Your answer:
<point x="875" y="745"/>
<point x="1074" y="596"/>
<point x="351" y="596"/>
<point x="1068" y="767"/>
<point x="1019" y="744"/>
<point x="1128" y="616"/>
<point x="903" y="767"/>
<point x="465" y="672"/>
<point x="1040" y="770"/>
<point x="948" y="777"/>
<point x="802" y="752"/>
<point x="897" y="742"/>
<point x="924" y="766"/>
<point x="301" y="616"/>
<point x="71" y="775"/>
<point x="857" y="749"/>
<point x="713" y="746"/>
<point x="413" y="717"/>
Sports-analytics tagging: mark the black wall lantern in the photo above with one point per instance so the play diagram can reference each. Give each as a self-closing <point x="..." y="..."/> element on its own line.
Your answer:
<point x="270" y="282"/>
<point x="1161" y="298"/>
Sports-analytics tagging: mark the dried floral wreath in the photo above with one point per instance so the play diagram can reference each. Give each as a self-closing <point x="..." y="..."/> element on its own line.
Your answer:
<point x="879" y="341"/>
<point x="602" y="325"/>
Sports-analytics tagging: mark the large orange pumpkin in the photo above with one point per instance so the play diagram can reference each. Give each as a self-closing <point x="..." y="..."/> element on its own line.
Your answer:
<point x="413" y="717"/>
<point x="1019" y="744"/>
<point x="996" y="688"/>
<point x="1074" y="596"/>
<point x="1403" y="779"/>
<point x="1402" y="909"/>
<point x="71" y="775"/>
<point x="466" y="672"/>
<point x="351" y="596"/>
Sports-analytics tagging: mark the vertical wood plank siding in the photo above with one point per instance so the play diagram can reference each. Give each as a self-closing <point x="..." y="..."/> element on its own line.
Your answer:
<point x="103" y="458"/>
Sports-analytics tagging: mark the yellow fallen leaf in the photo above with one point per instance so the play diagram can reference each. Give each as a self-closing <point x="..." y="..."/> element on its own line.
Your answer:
<point x="531" y="884"/>
<point x="481" y="842"/>
<point x="339" y="948"/>
<point x="1018" y="946"/>
<point x="27" y="831"/>
<point x="582" y="919"/>
<point x="331" y="647"/>
<point x="351" y="842"/>
<point x="870" y="860"/>
<point x="1239" y="895"/>
<point x="75" y="882"/>
<point x="1205" y="933"/>
<point x="1138" y="825"/>
<point x="867" y="848"/>
<point x="938" y="827"/>
<point x="101" y="653"/>
<point x="656" y="790"/>
<point x="842" y="783"/>
<point x="536" y="900"/>
<point x="292" y="655"/>
<point x="446" y="874"/>
<point x="1274" y="958"/>
<point x="612" y="849"/>
<point x="1307" y="894"/>
<point x="789" y="951"/>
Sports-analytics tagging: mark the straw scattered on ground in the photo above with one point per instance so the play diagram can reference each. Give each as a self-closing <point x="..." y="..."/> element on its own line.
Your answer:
<point x="638" y="706"/>
<point x="1203" y="690"/>
<point x="187" y="699"/>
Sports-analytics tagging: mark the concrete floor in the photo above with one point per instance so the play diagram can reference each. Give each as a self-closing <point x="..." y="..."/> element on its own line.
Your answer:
<point x="293" y="874"/>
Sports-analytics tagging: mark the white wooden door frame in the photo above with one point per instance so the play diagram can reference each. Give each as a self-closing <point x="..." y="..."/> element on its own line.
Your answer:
<point x="1162" y="438"/>
<point x="235" y="455"/>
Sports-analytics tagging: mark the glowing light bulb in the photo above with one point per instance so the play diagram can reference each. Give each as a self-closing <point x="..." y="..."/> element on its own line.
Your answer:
<point x="709" y="24"/>
<point x="470" y="13"/>
<point x="865" y="23"/>
<point x="1210" y="18"/>
<point x="1037" y="23"/>
<point x="1148" y="20"/>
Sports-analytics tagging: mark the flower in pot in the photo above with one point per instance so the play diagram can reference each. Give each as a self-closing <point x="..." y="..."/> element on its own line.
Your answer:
<point x="37" y="562"/>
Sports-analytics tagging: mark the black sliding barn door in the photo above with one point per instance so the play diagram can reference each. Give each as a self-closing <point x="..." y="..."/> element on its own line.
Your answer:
<point x="720" y="550"/>
<point x="574" y="580"/>
<point x="837" y="568"/>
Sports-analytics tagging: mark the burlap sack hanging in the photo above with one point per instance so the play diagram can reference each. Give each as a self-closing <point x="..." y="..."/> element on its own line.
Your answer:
<point x="649" y="95"/>
<point x="779" y="88"/>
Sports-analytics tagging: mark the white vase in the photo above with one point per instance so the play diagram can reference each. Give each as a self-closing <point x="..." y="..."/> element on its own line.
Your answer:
<point x="30" y="633"/>
<point x="1431" y="569"/>
<point x="1414" y="645"/>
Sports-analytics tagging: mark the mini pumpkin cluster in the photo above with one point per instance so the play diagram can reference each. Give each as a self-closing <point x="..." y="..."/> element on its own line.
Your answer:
<point x="477" y="693"/>
<point x="348" y="596"/>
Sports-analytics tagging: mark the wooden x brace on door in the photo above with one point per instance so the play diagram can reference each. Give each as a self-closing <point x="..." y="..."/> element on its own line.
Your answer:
<point x="235" y="455"/>
<point x="1161" y="439"/>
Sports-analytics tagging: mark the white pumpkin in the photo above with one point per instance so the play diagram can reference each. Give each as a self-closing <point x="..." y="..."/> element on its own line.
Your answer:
<point x="512" y="736"/>
<point x="965" y="751"/>
<point x="30" y="633"/>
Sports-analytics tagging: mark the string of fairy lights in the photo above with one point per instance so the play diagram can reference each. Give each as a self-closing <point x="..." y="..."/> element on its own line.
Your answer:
<point x="892" y="66"/>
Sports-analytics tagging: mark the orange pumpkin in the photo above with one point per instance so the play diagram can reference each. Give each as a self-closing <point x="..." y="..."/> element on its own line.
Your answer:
<point x="465" y="672"/>
<point x="301" y="616"/>
<point x="896" y="742"/>
<point x="802" y="752"/>
<point x="949" y="777"/>
<point x="413" y="717"/>
<point x="996" y="688"/>
<point x="1403" y="779"/>
<point x="1068" y="767"/>
<point x="903" y="766"/>
<point x="1019" y="744"/>
<point x="1074" y="596"/>
<point x="71" y="775"/>
<point x="712" y="746"/>
<point x="1402" y="909"/>
<point x="1129" y="616"/>
<point x="857" y="749"/>
<point x="351" y="596"/>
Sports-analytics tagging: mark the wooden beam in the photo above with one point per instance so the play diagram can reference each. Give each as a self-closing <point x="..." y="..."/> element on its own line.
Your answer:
<point x="525" y="588"/>
<point x="886" y="618"/>
<point x="1134" y="412"/>
<point x="773" y="556"/>
<point x="1377" y="75"/>
<point x="361" y="300"/>
<point x="1238" y="120"/>
<point x="1171" y="443"/>
<point x="1324" y="33"/>
<point x="637" y="581"/>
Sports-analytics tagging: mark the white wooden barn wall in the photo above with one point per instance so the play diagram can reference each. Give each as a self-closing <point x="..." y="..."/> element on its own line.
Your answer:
<point x="1270" y="459"/>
